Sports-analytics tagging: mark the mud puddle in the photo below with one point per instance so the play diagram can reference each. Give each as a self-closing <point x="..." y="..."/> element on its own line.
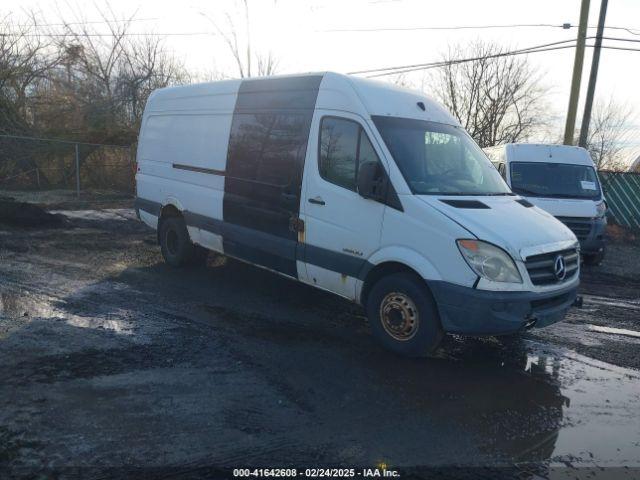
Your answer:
<point x="19" y="308"/>
<point x="104" y="214"/>
<point x="516" y="403"/>
<point x="614" y="331"/>
<point x="630" y="304"/>
<point x="600" y="425"/>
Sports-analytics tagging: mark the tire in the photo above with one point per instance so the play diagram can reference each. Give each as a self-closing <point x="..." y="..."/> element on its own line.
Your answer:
<point x="175" y="244"/>
<point x="593" y="259"/>
<point x="199" y="256"/>
<point x="404" y="297"/>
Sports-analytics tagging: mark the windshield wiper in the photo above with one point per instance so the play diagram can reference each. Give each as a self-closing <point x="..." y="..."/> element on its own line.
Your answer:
<point x="459" y="194"/>
<point x="468" y="194"/>
<point x="524" y="191"/>
<point x="567" y="195"/>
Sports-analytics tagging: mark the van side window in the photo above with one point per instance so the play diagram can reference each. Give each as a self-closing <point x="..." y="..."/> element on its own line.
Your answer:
<point x="339" y="152"/>
<point x="265" y="147"/>
<point x="502" y="170"/>
<point x="344" y="145"/>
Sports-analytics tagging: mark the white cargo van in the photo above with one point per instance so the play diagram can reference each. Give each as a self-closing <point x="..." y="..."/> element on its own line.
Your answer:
<point x="369" y="191"/>
<point x="562" y="180"/>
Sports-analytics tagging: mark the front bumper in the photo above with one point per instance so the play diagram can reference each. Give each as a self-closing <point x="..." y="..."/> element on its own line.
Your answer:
<point x="468" y="311"/>
<point x="594" y="242"/>
<point x="589" y="231"/>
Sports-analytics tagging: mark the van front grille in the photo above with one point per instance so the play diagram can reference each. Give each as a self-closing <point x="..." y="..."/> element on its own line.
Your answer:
<point x="581" y="227"/>
<point x="542" y="268"/>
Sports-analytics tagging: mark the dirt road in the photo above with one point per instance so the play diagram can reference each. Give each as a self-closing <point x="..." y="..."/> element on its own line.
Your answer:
<point x="111" y="359"/>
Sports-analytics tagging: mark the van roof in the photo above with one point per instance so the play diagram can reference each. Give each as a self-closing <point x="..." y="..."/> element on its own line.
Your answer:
<point x="546" y="152"/>
<point x="336" y="91"/>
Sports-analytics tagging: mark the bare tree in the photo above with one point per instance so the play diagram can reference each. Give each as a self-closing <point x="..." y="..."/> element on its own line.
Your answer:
<point x="267" y="64"/>
<point x="609" y="130"/>
<point x="145" y="67"/>
<point x="99" y="91"/>
<point x="497" y="98"/>
<point x="26" y="56"/>
<point x="79" y="84"/>
<point x="402" y="80"/>
<point x="236" y="35"/>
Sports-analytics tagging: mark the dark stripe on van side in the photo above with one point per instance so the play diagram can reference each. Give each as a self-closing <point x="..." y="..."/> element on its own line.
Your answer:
<point x="148" y="206"/>
<point x="336" y="261"/>
<point x="265" y="159"/>
<point x="254" y="246"/>
<point x="278" y="93"/>
<point x="191" y="168"/>
<point x="248" y="244"/>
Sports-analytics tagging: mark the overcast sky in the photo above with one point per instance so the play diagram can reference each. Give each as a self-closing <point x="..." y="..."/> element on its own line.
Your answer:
<point x="298" y="33"/>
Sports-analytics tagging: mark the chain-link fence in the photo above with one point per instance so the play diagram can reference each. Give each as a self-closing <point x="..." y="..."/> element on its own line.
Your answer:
<point x="30" y="163"/>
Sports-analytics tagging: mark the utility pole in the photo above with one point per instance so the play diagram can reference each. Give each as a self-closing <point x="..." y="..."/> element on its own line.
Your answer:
<point x="586" y="117"/>
<point x="577" y="74"/>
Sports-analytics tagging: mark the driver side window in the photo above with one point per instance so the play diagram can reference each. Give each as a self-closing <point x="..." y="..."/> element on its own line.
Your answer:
<point x="343" y="146"/>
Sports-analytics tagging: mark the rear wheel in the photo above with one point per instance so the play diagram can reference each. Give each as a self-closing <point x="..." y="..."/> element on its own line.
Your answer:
<point x="175" y="244"/>
<point x="403" y="315"/>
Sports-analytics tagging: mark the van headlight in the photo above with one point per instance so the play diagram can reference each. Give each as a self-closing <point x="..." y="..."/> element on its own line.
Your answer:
<point x="489" y="261"/>
<point x="601" y="209"/>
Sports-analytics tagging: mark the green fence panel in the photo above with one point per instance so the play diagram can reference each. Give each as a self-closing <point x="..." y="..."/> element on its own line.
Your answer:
<point x="622" y="192"/>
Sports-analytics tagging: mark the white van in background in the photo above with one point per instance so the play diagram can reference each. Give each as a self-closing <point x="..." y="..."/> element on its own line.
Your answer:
<point x="562" y="180"/>
<point x="361" y="188"/>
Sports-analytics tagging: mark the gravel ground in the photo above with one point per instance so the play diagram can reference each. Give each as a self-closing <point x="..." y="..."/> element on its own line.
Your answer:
<point x="116" y="365"/>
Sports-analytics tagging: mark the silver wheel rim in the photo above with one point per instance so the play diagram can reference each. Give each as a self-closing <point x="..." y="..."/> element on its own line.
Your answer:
<point x="399" y="316"/>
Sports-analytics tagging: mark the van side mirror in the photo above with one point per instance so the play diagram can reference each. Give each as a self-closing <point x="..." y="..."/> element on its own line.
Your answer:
<point x="372" y="181"/>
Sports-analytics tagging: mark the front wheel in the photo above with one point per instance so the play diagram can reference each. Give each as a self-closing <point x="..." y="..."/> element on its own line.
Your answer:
<point x="403" y="315"/>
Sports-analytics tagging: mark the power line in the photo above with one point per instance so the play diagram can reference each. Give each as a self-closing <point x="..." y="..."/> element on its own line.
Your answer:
<point x="627" y="29"/>
<point x="427" y="66"/>
<point x="620" y="39"/>
<point x="629" y="49"/>
<point x="533" y="49"/>
<point x="92" y="22"/>
<point x="464" y="60"/>
<point x="500" y="54"/>
<point x="124" y="34"/>
<point x="463" y="27"/>
<point x="169" y="34"/>
<point x="564" y="26"/>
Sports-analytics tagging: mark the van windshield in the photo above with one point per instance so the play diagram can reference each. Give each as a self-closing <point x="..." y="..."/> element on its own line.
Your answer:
<point x="439" y="159"/>
<point x="556" y="180"/>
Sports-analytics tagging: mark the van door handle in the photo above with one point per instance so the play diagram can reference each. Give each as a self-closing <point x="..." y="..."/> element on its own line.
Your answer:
<point x="317" y="201"/>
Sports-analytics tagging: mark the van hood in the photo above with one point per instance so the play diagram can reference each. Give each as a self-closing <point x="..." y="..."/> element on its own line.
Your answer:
<point x="506" y="223"/>
<point x="566" y="207"/>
